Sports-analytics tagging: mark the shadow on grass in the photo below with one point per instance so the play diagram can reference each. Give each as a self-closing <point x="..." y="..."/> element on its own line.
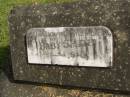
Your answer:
<point x="5" y="62"/>
<point x="3" y="56"/>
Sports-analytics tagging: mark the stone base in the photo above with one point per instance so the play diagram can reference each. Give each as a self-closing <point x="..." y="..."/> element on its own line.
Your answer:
<point x="9" y="89"/>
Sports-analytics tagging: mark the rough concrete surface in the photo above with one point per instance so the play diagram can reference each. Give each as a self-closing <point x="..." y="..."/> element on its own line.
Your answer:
<point x="9" y="89"/>
<point x="114" y="14"/>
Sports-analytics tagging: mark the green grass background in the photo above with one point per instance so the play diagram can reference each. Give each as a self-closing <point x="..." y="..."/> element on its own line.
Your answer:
<point x="5" y="7"/>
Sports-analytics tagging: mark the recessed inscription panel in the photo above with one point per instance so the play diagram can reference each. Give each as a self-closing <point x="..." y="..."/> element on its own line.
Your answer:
<point x="75" y="46"/>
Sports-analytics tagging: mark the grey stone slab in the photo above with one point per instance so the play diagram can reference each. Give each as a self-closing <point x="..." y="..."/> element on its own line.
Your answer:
<point x="113" y="14"/>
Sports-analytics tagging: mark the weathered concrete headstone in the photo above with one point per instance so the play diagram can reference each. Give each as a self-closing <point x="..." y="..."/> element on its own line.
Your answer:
<point x="37" y="38"/>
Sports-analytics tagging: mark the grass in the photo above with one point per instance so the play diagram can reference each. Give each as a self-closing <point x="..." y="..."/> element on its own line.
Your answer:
<point x="5" y="7"/>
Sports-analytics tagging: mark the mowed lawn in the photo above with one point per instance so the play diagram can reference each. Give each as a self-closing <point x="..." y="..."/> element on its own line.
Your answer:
<point x="5" y="7"/>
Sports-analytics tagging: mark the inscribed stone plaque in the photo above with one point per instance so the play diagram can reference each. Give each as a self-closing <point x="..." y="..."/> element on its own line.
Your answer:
<point x="76" y="46"/>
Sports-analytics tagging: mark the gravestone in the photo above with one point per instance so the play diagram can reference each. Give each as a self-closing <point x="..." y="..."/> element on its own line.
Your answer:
<point x="83" y="44"/>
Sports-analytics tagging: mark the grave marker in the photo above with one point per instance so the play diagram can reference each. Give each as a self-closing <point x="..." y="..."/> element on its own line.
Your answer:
<point x="57" y="29"/>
